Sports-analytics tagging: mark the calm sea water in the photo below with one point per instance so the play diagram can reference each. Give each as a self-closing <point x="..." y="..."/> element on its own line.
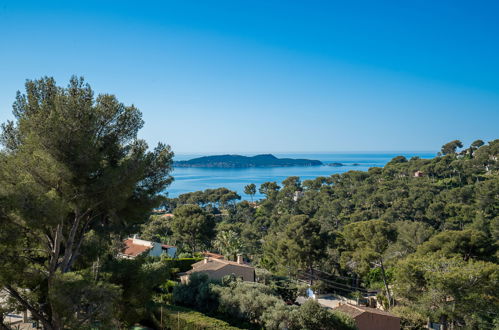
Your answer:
<point x="193" y="179"/>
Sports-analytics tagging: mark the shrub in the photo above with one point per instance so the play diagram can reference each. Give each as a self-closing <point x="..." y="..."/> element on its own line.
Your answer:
<point x="197" y="293"/>
<point x="181" y="318"/>
<point x="312" y="316"/>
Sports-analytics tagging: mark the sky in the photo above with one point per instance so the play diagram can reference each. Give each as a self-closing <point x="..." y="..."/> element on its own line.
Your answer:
<point x="271" y="76"/>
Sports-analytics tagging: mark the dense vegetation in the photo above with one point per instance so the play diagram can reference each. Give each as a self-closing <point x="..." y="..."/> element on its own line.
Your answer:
<point x="422" y="234"/>
<point x="256" y="304"/>
<point x="74" y="178"/>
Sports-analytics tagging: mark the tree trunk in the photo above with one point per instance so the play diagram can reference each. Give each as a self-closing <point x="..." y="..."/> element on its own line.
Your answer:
<point x="383" y="275"/>
<point x="311" y="275"/>
<point x="36" y="313"/>
<point x="55" y="319"/>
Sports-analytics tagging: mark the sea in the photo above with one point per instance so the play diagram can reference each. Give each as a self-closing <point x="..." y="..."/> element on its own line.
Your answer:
<point x="194" y="179"/>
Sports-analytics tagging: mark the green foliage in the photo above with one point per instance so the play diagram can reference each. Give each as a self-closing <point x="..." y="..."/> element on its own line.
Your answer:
<point x="298" y="246"/>
<point x="192" y="227"/>
<point x="269" y="189"/>
<point x="180" y="264"/>
<point x="181" y="318"/>
<point x="247" y="301"/>
<point x="157" y="229"/>
<point x="312" y="316"/>
<point x="74" y="180"/>
<point x="71" y="165"/>
<point x="450" y="148"/>
<point x="283" y="286"/>
<point x="213" y="199"/>
<point x="374" y="279"/>
<point x="140" y="279"/>
<point x="410" y="235"/>
<point x="228" y="243"/>
<point x="449" y="290"/>
<point x="365" y="243"/>
<point x="255" y="303"/>
<point x="250" y="190"/>
<point x="196" y="293"/>
<point x="368" y="222"/>
<point x="81" y="301"/>
<point x="463" y="243"/>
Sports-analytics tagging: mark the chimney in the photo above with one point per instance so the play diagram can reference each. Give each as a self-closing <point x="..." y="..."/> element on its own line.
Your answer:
<point x="240" y="259"/>
<point x="206" y="260"/>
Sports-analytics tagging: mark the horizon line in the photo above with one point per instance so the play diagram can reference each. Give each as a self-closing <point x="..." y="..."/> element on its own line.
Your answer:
<point x="299" y="152"/>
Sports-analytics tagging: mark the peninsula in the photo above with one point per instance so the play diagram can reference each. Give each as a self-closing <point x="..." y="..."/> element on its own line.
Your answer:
<point x="237" y="161"/>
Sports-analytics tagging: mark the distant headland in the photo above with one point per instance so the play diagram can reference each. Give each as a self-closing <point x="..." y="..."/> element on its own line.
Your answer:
<point x="238" y="161"/>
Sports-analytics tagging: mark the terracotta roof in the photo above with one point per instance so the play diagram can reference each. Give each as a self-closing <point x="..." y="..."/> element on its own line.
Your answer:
<point x="355" y="311"/>
<point x="131" y="249"/>
<point x="212" y="255"/>
<point x="213" y="264"/>
<point x="166" y="246"/>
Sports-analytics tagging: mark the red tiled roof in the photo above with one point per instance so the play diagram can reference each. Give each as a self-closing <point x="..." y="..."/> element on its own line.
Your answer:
<point x="166" y="246"/>
<point x="212" y="255"/>
<point x="355" y="311"/>
<point x="132" y="249"/>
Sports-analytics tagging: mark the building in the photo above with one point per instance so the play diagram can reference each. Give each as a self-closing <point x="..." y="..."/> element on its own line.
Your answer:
<point x="135" y="247"/>
<point x="418" y="174"/>
<point x="367" y="318"/>
<point x="218" y="268"/>
<point x="298" y="195"/>
<point x="170" y="250"/>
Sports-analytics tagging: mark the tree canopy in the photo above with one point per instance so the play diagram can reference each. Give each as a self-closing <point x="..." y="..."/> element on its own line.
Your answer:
<point x="71" y="164"/>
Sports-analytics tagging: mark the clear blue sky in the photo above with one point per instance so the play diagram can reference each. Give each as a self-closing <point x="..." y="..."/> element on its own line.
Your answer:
<point x="269" y="76"/>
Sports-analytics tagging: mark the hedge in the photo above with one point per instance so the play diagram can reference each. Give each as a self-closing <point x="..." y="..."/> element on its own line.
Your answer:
<point x="181" y="318"/>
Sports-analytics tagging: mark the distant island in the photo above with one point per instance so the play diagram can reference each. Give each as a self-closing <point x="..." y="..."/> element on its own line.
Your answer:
<point x="237" y="161"/>
<point x="341" y="164"/>
<point x="336" y="164"/>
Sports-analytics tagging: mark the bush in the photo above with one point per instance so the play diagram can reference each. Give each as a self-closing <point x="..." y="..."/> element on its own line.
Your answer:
<point x="287" y="289"/>
<point x="257" y="304"/>
<point x="181" y="318"/>
<point x="197" y="293"/>
<point x="312" y="316"/>
<point x="246" y="301"/>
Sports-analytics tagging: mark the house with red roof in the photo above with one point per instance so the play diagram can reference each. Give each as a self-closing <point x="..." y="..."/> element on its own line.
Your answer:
<point x="134" y="247"/>
<point x="367" y="318"/>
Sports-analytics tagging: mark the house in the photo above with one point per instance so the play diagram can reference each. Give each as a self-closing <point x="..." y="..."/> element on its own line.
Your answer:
<point x="367" y="318"/>
<point x="418" y="174"/>
<point x="135" y="247"/>
<point x="159" y="211"/>
<point x="170" y="250"/>
<point x="218" y="268"/>
<point x="298" y="195"/>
